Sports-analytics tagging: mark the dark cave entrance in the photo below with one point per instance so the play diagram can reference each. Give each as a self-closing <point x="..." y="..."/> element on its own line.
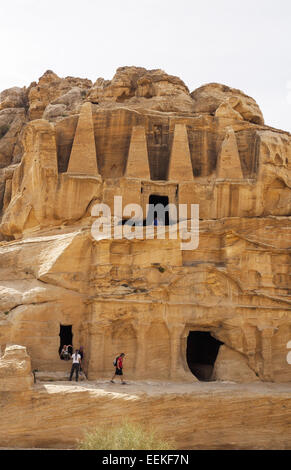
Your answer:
<point x="163" y="216"/>
<point x="202" y="350"/>
<point x="66" y="337"/>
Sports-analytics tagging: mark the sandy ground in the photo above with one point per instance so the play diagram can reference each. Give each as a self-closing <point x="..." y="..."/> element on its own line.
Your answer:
<point x="236" y="416"/>
<point x="151" y="388"/>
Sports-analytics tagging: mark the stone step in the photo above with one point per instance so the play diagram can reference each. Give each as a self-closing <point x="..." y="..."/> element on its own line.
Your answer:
<point x="57" y="376"/>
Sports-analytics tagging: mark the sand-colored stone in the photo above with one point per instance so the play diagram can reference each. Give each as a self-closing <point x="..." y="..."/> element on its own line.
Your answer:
<point x="197" y="416"/>
<point x="15" y="370"/>
<point x="180" y="168"/>
<point x="208" y="98"/>
<point x="97" y="287"/>
<point x="148" y="295"/>
<point x="12" y="121"/>
<point x="52" y="89"/>
<point x="232" y="366"/>
<point x="83" y="155"/>
<point x="38" y="196"/>
<point x="228" y="165"/>
<point x="137" y="163"/>
<point x="141" y="89"/>
<point x="14" y="97"/>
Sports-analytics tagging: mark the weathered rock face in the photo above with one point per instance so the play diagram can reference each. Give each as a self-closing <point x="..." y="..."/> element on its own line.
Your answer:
<point x="143" y="89"/>
<point x="13" y="98"/>
<point x="38" y="191"/>
<point x="221" y="311"/>
<point x="55" y="96"/>
<point x="12" y="121"/>
<point x="15" y="370"/>
<point x="226" y="102"/>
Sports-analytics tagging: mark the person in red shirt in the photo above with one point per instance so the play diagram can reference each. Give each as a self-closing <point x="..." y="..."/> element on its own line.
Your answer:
<point x="119" y="368"/>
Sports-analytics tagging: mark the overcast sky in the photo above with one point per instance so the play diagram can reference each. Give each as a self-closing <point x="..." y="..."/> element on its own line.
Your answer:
<point x="243" y="44"/>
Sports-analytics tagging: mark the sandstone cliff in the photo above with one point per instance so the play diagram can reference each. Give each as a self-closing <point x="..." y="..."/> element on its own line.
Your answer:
<point x="219" y="312"/>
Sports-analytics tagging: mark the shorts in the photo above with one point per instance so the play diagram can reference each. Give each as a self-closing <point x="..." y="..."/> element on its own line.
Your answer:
<point x="118" y="371"/>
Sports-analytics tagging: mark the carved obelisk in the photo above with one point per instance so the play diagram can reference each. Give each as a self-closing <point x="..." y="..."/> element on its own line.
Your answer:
<point x="138" y="161"/>
<point x="83" y="159"/>
<point x="228" y="163"/>
<point x="180" y="168"/>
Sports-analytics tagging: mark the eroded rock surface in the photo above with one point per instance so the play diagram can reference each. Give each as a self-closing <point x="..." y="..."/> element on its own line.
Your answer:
<point x="226" y="102"/>
<point x="219" y="311"/>
<point x="15" y="370"/>
<point x="199" y="416"/>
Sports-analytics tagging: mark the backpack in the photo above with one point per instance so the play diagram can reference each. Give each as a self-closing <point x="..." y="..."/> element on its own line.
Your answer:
<point x="115" y="361"/>
<point x="76" y="357"/>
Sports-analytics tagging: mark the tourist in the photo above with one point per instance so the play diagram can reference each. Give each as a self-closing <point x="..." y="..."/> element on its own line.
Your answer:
<point x="65" y="355"/>
<point x="81" y="352"/>
<point x="63" y="351"/>
<point x="76" y="358"/>
<point x="119" y="368"/>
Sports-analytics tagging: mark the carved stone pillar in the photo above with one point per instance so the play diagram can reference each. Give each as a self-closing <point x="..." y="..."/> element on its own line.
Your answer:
<point x="176" y="331"/>
<point x="266" y="336"/>
<point x="97" y="345"/>
<point x="141" y="329"/>
<point x="251" y="344"/>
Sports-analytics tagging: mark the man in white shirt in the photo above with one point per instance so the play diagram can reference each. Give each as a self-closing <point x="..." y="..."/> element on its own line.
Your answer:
<point x="76" y="358"/>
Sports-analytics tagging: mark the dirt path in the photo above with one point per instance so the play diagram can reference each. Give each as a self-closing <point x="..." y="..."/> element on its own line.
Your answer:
<point x="152" y="388"/>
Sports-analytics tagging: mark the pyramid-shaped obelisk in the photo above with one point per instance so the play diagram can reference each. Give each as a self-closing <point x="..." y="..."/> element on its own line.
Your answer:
<point x="83" y="159"/>
<point x="138" y="162"/>
<point x="180" y="168"/>
<point x="228" y="163"/>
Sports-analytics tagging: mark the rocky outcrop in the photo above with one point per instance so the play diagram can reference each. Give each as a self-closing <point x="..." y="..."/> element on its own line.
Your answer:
<point x="143" y="89"/>
<point x="13" y="105"/>
<point x="56" y="97"/>
<point x="12" y="121"/>
<point x="226" y="102"/>
<point x="15" y="370"/>
<point x="13" y="98"/>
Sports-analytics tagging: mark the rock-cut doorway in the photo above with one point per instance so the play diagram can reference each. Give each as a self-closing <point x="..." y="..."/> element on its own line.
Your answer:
<point x="202" y="351"/>
<point x="66" y="336"/>
<point x="155" y="200"/>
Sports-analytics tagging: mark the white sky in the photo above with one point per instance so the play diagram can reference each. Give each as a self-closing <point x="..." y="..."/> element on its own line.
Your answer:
<point x="241" y="43"/>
